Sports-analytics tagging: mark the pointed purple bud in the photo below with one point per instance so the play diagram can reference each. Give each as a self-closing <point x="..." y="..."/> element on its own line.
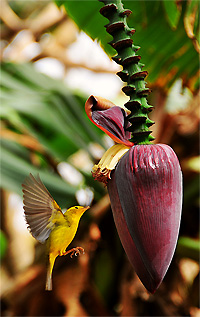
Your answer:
<point x="146" y="199"/>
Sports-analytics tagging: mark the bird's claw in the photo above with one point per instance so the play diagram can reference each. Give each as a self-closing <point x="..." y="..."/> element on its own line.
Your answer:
<point x="74" y="252"/>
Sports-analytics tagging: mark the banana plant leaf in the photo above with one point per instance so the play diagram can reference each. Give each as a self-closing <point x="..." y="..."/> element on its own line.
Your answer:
<point x="161" y="33"/>
<point x="43" y="111"/>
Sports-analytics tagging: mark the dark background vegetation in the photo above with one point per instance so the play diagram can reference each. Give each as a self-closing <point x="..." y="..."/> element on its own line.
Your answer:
<point x="43" y="123"/>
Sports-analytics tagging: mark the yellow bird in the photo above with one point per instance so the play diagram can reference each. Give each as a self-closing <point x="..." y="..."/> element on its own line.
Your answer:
<point x="47" y="222"/>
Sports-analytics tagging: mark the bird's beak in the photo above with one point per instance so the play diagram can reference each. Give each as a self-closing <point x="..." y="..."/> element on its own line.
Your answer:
<point x="85" y="208"/>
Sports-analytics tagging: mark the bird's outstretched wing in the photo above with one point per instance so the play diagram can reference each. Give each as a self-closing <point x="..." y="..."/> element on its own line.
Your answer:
<point x="41" y="210"/>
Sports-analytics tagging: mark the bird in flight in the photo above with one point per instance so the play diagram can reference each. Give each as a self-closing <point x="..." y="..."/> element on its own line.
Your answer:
<point x="47" y="223"/>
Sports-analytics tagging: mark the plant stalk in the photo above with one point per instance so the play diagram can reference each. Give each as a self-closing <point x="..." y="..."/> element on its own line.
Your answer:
<point x="132" y="73"/>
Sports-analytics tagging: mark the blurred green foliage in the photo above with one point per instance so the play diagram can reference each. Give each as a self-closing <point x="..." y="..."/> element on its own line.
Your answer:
<point x="189" y="248"/>
<point x="3" y="244"/>
<point x="166" y="49"/>
<point x="37" y="106"/>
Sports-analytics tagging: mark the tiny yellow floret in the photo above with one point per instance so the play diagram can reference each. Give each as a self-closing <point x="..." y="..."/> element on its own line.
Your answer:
<point x="102" y="170"/>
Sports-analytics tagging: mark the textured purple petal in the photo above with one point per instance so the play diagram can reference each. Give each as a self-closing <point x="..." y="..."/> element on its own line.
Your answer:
<point x="109" y="118"/>
<point x="113" y="121"/>
<point x="126" y="239"/>
<point x="147" y="183"/>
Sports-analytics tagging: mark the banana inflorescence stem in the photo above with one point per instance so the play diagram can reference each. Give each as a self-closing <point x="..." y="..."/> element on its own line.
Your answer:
<point x="132" y="73"/>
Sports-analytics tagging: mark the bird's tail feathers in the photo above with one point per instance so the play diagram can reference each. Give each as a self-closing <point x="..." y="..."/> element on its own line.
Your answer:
<point x="52" y="258"/>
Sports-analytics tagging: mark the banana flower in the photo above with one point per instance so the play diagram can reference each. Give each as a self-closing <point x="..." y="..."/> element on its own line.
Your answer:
<point x="145" y="187"/>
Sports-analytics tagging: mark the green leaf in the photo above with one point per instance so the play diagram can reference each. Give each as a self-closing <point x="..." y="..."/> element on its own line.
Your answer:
<point x="47" y="102"/>
<point x="191" y="22"/>
<point x="3" y="244"/>
<point x="86" y="15"/>
<point x="188" y="248"/>
<point x="35" y="105"/>
<point x="160" y="33"/>
<point x="15" y="169"/>
<point x="173" y="12"/>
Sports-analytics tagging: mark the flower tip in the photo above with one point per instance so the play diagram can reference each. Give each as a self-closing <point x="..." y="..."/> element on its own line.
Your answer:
<point x="153" y="284"/>
<point x="97" y="103"/>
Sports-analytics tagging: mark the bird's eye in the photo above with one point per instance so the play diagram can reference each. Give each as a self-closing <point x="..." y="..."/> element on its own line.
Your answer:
<point x="76" y="207"/>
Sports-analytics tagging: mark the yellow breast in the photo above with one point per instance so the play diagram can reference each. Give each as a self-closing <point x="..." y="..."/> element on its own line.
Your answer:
<point x="60" y="237"/>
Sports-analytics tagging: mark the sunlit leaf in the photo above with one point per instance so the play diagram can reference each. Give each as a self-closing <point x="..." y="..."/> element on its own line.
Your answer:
<point x="191" y="22"/>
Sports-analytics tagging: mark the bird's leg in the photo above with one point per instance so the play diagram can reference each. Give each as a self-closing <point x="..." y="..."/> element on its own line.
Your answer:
<point x="75" y="251"/>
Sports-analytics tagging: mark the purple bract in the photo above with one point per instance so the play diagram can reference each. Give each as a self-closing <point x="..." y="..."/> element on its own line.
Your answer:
<point x="145" y="188"/>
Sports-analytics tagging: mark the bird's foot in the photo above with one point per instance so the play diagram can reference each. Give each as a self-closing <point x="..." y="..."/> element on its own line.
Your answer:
<point x="75" y="251"/>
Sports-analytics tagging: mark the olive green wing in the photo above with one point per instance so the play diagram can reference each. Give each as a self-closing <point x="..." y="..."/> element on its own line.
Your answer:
<point x="40" y="209"/>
